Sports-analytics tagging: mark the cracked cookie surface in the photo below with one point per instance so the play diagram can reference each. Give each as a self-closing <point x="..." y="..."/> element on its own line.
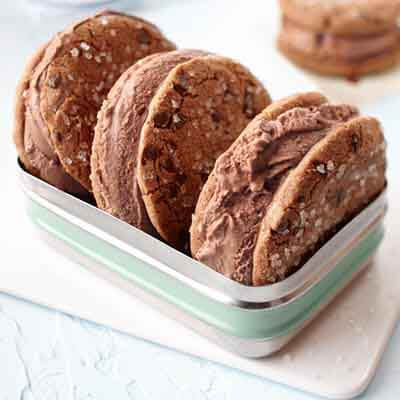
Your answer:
<point x="198" y="111"/>
<point x="63" y="88"/>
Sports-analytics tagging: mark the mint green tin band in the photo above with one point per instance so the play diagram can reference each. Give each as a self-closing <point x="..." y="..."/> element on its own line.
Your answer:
<point x="234" y="321"/>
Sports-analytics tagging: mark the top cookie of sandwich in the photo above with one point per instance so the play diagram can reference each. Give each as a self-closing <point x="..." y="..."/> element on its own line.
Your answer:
<point x="63" y="88"/>
<point x="343" y="16"/>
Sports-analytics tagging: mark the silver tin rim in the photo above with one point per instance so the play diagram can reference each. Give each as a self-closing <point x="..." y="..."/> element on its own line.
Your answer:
<point x="193" y="273"/>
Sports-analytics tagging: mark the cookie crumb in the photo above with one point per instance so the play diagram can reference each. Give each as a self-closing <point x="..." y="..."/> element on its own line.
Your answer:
<point x="341" y="171"/>
<point x="82" y="156"/>
<point x="175" y="104"/>
<point x="303" y="218"/>
<point x="67" y="122"/>
<point x="208" y="104"/>
<point x="84" y="46"/>
<point x="176" y="119"/>
<point x="330" y="166"/>
<point x="321" y="169"/>
<point x="100" y="86"/>
<point x="74" y="52"/>
<point x="248" y="106"/>
<point x="294" y="249"/>
<point x="300" y="233"/>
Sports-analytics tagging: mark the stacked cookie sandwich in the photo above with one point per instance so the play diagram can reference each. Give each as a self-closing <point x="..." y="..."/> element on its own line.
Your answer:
<point x="348" y="38"/>
<point x="300" y="170"/>
<point x="187" y="146"/>
<point x="63" y="87"/>
<point x="161" y="129"/>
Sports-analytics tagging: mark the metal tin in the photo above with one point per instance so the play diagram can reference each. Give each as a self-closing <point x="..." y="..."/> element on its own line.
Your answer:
<point x="250" y="321"/>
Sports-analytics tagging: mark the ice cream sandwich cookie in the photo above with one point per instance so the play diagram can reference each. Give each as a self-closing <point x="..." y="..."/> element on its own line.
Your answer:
<point x="300" y="169"/>
<point x="336" y="37"/>
<point x="63" y="87"/>
<point x="161" y="129"/>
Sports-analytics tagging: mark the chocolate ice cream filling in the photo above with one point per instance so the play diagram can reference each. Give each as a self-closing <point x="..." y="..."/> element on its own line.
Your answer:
<point x="247" y="177"/>
<point x="343" y="47"/>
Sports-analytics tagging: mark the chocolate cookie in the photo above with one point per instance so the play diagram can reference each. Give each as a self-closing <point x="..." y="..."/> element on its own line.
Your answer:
<point x="300" y="169"/>
<point x="118" y="131"/>
<point x="345" y="38"/>
<point x="63" y="87"/>
<point x="160" y="131"/>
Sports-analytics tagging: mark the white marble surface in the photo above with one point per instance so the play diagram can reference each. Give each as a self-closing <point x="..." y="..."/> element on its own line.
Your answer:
<point x="45" y="354"/>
